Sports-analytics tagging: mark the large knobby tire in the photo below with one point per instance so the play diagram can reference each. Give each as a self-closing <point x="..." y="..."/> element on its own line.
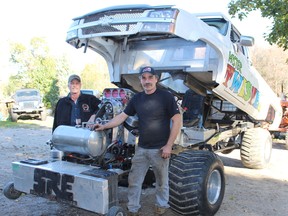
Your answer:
<point x="116" y="211"/>
<point x="10" y="192"/>
<point x="197" y="183"/>
<point x="256" y="148"/>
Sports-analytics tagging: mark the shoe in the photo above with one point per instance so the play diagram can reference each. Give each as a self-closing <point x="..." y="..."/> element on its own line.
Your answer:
<point x="159" y="210"/>
<point x="133" y="214"/>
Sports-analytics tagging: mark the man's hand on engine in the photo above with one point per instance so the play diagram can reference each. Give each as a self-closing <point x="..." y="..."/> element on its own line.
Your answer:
<point x="101" y="125"/>
<point x="98" y="127"/>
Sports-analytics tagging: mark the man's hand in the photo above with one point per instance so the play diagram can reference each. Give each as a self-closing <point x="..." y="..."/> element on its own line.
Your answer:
<point x="98" y="127"/>
<point x="117" y="120"/>
<point x="166" y="151"/>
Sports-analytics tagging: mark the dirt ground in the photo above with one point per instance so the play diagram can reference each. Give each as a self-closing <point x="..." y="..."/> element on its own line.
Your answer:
<point x="248" y="192"/>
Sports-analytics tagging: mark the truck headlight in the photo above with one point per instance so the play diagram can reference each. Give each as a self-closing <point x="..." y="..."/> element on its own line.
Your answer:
<point x="73" y="33"/>
<point x="158" y="27"/>
<point x="16" y="106"/>
<point x="160" y="21"/>
<point x="169" y="14"/>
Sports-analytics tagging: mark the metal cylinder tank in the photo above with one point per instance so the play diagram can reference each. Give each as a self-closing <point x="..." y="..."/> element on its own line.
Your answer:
<point x="79" y="140"/>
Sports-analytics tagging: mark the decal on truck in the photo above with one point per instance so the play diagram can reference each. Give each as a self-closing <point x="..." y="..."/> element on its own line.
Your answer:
<point x="239" y="84"/>
<point x="50" y="183"/>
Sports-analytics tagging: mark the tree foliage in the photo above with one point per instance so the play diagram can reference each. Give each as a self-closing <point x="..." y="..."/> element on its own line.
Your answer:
<point x="96" y="76"/>
<point x="276" y="10"/>
<point x="270" y="62"/>
<point x="37" y="68"/>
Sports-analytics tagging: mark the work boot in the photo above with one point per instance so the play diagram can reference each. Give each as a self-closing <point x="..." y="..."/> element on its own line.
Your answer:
<point x="159" y="210"/>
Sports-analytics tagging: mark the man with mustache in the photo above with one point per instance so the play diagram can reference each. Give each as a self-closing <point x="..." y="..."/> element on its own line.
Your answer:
<point x="156" y="110"/>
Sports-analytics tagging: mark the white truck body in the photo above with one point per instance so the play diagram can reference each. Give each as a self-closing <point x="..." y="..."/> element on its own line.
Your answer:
<point x="197" y="56"/>
<point x="219" y="57"/>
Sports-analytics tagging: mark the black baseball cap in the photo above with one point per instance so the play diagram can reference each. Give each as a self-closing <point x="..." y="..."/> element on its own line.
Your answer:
<point x="147" y="70"/>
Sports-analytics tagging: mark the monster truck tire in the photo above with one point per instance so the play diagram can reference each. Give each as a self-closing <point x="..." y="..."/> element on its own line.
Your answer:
<point x="43" y="115"/>
<point x="10" y="192"/>
<point x="14" y="116"/>
<point x="197" y="183"/>
<point x="256" y="148"/>
<point x="116" y="211"/>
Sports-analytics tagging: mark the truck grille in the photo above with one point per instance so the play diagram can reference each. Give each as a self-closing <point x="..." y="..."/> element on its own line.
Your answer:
<point x="28" y="105"/>
<point x="105" y="18"/>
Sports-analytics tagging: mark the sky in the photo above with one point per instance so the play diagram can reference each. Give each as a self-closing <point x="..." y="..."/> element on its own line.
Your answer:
<point x="21" y="20"/>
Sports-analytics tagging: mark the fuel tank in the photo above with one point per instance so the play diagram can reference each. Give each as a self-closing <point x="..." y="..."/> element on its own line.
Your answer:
<point x="79" y="140"/>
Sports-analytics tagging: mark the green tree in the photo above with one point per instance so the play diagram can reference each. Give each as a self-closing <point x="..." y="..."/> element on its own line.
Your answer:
<point x="89" y="76"/>
<point x="37" y="68"/>
<point x="96" y="76"/>
<point x="63" y="71"/>
<point x="276" y="10"/>
<point x="270" y="62"/>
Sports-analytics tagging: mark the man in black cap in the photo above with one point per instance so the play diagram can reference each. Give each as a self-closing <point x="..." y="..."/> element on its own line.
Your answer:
<point x="76" y="107"/>
<point x="156" y="109"/>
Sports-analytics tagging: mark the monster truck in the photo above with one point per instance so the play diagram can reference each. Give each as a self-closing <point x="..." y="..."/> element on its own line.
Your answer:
<point x="27" y="103"/>
<point x="203" y="60"/>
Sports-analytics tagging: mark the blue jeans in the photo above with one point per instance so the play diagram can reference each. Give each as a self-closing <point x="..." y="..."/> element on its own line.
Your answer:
<point x="141" y="162"/>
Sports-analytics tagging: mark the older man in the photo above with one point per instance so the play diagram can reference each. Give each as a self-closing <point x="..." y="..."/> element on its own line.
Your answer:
<point x="75" y="107"/>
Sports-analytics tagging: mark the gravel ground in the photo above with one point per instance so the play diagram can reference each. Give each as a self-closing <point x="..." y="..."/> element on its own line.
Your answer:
<point x="248" y="192"/>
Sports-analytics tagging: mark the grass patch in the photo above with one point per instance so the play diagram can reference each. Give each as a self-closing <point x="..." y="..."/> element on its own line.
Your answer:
<point x="9" y="124"/>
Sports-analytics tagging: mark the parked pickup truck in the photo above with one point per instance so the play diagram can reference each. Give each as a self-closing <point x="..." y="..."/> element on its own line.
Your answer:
<point x="27" y="103"/>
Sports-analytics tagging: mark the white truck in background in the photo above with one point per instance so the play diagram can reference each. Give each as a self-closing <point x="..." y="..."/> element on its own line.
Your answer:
<point x="203" y="60"/>
<point x="27" y="103"/>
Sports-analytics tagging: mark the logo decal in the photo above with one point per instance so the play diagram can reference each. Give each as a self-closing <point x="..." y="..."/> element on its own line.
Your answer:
<point x="53" y="184"/>
<point x="239" y="85"/>
<point x="85" y="107"/>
